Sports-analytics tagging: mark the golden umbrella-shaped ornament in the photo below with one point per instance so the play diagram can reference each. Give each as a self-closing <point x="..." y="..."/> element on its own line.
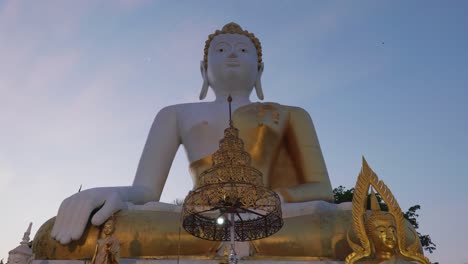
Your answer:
<point x="230" y="202"/>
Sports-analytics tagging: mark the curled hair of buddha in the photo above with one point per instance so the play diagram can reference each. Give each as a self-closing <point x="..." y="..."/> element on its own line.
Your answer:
<point x="376" y="212"/>
<point x="377" y="215"/>
<point x="233" y="28"/>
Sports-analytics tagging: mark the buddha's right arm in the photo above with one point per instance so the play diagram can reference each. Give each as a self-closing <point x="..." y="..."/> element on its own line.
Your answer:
<point x="153" y="168"/>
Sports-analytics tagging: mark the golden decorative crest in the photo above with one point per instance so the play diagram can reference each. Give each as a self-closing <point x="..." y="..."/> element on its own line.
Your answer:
<point x="361" y="218"/>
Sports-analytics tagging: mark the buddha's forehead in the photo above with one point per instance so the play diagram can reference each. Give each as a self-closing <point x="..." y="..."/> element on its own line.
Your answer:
<point x="232" y="39"/>
<point x="384" y="222"/>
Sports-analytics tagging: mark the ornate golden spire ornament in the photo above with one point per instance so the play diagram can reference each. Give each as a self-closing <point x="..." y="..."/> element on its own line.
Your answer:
<point x="392" y="223"/>
<point x="230" y="202"/>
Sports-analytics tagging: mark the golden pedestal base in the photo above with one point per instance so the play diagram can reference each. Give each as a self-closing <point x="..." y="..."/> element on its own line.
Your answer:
<point x="155" y="235"/>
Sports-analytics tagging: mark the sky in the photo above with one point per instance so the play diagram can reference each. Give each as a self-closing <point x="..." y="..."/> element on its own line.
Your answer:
<point x="81" y="82"/>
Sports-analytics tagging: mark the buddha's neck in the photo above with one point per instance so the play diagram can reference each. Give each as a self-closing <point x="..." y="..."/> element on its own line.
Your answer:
<point x="384" y="255"/>
<point x="239" y="98"/>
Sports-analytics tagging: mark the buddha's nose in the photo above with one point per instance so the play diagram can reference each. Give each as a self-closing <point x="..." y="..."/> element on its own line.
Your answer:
<point x="390" y="234"/>
<point x="233" y="54"/>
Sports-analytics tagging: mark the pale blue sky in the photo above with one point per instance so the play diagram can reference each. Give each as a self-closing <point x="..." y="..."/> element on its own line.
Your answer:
<point x="81" y="81"/>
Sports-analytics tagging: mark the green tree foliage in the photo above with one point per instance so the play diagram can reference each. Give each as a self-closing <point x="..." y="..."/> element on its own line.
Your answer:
<point x="412" y="216"/>
<point x="341" y="194"/>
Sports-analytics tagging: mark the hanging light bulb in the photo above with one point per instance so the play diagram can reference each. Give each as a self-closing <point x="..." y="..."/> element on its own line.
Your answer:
<point x="220" y="220"/>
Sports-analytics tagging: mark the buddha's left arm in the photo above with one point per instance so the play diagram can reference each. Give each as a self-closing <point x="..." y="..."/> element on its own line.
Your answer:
<point x="304" y="148"/>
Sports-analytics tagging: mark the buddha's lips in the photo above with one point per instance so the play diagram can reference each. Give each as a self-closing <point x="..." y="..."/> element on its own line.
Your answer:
<point x="233" y="64"/>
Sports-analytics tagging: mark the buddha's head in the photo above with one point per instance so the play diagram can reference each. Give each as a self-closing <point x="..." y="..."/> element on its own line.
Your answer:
<point x="381" y="230"/>
<point x="232" y="62"/>
<point x="108" y="228"/>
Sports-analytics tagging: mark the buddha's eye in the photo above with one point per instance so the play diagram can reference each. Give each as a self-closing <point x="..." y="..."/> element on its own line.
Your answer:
<point x="221" y="50"/>
<point x="243" y="50"/>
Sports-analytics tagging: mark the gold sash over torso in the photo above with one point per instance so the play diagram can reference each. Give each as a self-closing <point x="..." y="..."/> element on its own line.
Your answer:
<point x="283" y="145"/>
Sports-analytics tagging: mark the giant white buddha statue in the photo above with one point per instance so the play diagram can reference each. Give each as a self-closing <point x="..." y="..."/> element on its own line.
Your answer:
<point x="281" y="140"/>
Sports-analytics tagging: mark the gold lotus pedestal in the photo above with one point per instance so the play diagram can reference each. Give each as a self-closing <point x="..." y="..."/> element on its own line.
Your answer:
<point x="335" y="234"/>
<point x="231" y="204"/>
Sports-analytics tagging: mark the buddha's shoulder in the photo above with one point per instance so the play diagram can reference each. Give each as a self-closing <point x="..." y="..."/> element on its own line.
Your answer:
<point x="184" y="108"/>
<point x="207" y="107"/>
<point x="273" y="106"/>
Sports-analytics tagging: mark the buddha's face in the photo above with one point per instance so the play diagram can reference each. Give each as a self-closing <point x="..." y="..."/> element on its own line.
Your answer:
<point x="232" y="63"/>
<point x="383" y="234"/>
<point x="108" y="228"/>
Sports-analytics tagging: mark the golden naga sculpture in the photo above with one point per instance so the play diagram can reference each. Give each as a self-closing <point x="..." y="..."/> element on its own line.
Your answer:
<point x="107" y="248"/>
<point x="382" y="235"/>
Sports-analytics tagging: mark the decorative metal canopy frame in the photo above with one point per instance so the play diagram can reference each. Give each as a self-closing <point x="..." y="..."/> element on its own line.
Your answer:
<point x="230" y="202"/>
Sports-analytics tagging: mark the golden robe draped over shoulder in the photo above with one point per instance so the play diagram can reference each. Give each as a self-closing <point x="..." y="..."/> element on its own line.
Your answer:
<point x="284" y="146"/>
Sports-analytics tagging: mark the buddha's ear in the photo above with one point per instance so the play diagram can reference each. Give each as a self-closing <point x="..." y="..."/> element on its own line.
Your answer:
<point x="205" y="84"/>
<point x="258" y="83"/>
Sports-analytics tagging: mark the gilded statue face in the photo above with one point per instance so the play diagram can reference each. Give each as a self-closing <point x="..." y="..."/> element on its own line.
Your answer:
<point x="232" y="62"/>
<point x="383" y="234"/>
<point x="108" y="228"/>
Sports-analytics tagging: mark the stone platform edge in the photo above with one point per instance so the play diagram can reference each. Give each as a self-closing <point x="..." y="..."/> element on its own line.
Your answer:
<point x="189" y="261"/>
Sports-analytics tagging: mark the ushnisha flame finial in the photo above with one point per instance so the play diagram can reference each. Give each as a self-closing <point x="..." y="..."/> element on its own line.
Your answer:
<point x="229" y="99"/>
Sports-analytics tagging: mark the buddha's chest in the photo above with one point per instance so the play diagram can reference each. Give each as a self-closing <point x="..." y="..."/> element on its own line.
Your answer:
<point x="258" y="124"/>
<point x="201" y="129"/>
